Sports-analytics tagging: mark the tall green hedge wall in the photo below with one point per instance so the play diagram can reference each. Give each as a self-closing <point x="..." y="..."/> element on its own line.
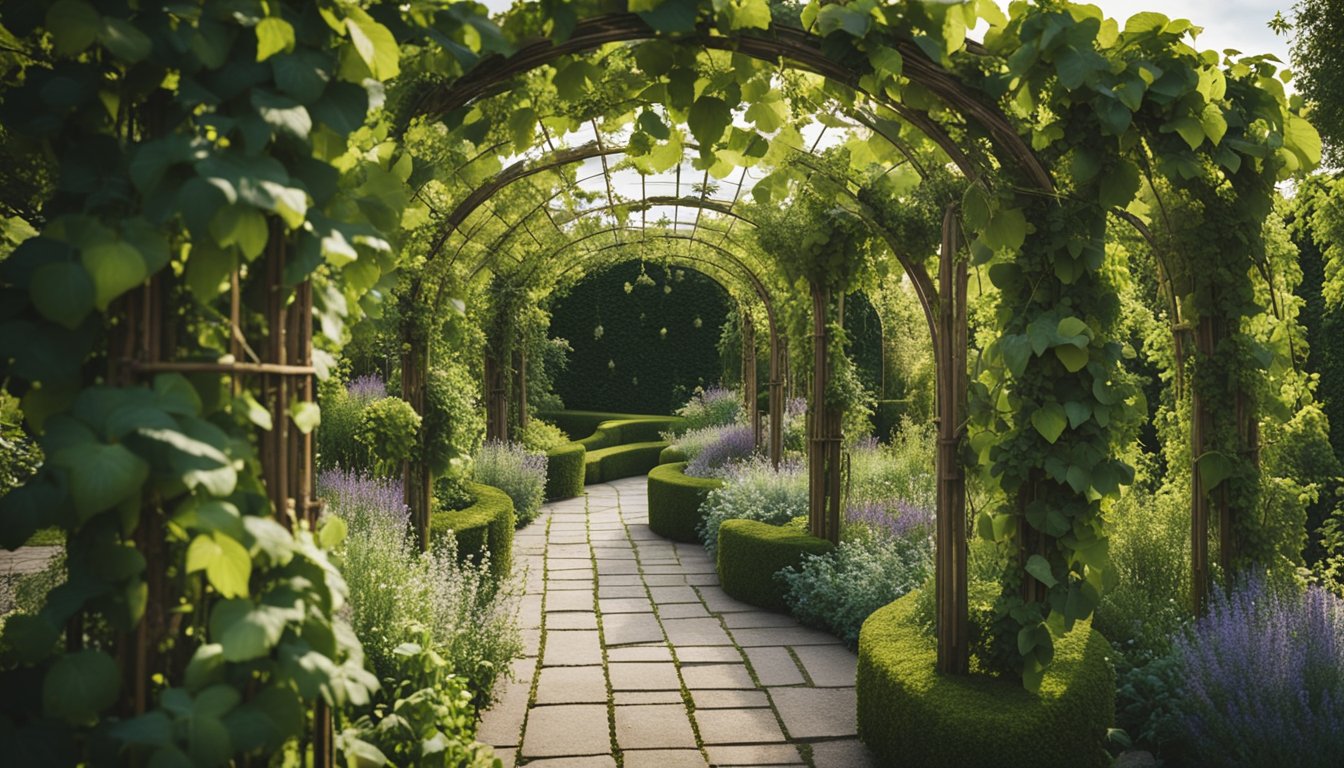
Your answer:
<point x="630" y="364"/>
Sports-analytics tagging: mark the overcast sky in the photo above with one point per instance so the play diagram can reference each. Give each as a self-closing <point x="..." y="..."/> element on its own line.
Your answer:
<point x="1236" y="24"/>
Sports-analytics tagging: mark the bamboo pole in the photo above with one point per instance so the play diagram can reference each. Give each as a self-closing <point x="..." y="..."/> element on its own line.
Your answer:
<point x="950" y="585"/>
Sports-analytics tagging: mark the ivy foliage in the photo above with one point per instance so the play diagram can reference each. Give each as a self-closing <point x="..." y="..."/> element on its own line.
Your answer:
<point x="187" y="141"/>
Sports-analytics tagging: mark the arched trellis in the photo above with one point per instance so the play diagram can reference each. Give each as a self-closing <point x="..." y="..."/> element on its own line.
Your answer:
<point x="803" y="49"/>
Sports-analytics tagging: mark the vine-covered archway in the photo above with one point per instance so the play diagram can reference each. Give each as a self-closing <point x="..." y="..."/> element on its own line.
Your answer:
<point x="225" y="184"/>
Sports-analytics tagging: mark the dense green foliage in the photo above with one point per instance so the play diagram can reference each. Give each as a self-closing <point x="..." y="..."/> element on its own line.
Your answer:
<point x="750" y="554"/>
<point x="675" y="500"/>
<point x="908" y="712"/>
<point x="389" y="429"/>
<point x="1318" y="26"/>
<point x="643" y="349"/>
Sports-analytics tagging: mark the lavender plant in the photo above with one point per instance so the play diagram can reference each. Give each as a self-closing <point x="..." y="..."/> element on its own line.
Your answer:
<point x="837" y="591"/>
<point x="712" y="407"/>
<point x="754" y="490"/>
<point x="516" y="471"/>
<point x="395" y="589"/>
<point x="1264" y="678"/>
<point x="731" y="446"/>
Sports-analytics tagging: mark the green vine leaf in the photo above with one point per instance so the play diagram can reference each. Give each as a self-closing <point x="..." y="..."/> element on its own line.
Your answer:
<point x="63" y="293"/>
<point x="1050" y="421"/>
<point x="226" y="563"/>
<point x="708" y="119"/>
<point x="374" y="43"/>
<point x="274" y="35"/>
<point x="1039" y="568"/>
<point x="101" y="476"/>
<point x="80" y="685"/>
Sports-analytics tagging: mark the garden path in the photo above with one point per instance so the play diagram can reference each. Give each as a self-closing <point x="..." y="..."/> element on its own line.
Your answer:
<point x="636" y="656"/>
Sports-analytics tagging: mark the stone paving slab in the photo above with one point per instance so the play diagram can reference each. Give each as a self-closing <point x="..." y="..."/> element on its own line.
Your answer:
<point x="567" y="730"/>
<point x="571" y="685"/>
<point x="665" y="672"/>
<point x="664" y="758"/>
<point x="653" y="726"/>
<point x="738" y="726"/>
<point x="572" y="648"/>
<point x="813" y="713"/>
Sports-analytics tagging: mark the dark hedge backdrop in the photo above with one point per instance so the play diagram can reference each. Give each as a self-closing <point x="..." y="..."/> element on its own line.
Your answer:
<point x="650" y="352"/>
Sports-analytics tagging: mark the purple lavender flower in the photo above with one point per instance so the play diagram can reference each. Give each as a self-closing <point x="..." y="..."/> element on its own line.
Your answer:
<point x="367" y="388"/>
<point x="732" y="445"/>
<point x="1264" y="674"/>
<point x="897" y="519"/>
<point x="715" y="406"/>
<point x="362" y="499"/>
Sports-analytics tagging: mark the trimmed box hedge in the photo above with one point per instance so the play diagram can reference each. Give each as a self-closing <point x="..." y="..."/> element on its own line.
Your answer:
<point x="672" y="454"/>
<point x="675" y="499"/>
<point x="625" y="431"/>
<point x="580" y="425"/>
<point x="487" y="524"/>
<point x="565" y="471"/>
<point x="911" y="715"/>
<point x="606" y="464"/>
<point x="750" y="553"/>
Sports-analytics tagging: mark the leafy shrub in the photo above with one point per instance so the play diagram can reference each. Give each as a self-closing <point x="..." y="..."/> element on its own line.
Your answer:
<point x="395" y="588"/>
<point x="1264" y="678"/>
<point x="19" y="455"/>
<point x="451" y="493"/>
<point x="454" y="422"/>
<point x="754" y="490"/>
<point x="516" y="471"/>
<point x="733" y="445"/>
<point x="388" y="430"/>
<point x="342" y="405"/>
<point x="839" y="590"/>
<point x="541" y="436"/>
<point x="712" y="407"/>
<point x="424" y="717"/>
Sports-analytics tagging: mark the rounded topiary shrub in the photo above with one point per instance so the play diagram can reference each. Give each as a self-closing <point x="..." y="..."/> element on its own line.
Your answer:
<point x="487" y="524"/>
<point x="564" y="471"/>
<point x="750" y="553"/>
<point x="675" y="499"/>
<point x="911" y="715"/>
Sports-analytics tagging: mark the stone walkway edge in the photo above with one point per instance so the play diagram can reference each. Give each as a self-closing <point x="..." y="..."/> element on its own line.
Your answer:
<point x="636" y="658"/>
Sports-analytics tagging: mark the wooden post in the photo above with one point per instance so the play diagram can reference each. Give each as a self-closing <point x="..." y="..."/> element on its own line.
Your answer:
<point x="776" y="397"/>
<point x="520" y="386"/>
<point x="823" y="424"/>
<point x="496" y="398"/>
<point x="950" y="587"/>
<point x="416" y="481"/>
<point x="749" y="377"/>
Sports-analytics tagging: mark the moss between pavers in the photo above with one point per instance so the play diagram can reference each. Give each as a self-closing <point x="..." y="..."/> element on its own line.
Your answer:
<point x="565" y="471"/>
<point x="750" y="553"/>
<point x="606" y="464"/>
<point x="911" y="715"/>
<point x="487" y="524"/>
<point x="675" y="499"/>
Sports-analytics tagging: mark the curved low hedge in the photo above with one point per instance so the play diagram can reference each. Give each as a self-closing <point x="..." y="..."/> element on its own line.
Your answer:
<point x="564" y="471"/>
<point x="672" y="454"/>
<point x="581" y="425"/>
<point x="606" y="464"/>
<point x="487" y="524"/>
<point x="911" y="715"/>
<point x="624" y="431"/>
<point x="750" y="553"/>
<point x="675" y="499"/>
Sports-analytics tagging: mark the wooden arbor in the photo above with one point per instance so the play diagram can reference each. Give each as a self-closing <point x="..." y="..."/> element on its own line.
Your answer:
<point x="803" y="51"/>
